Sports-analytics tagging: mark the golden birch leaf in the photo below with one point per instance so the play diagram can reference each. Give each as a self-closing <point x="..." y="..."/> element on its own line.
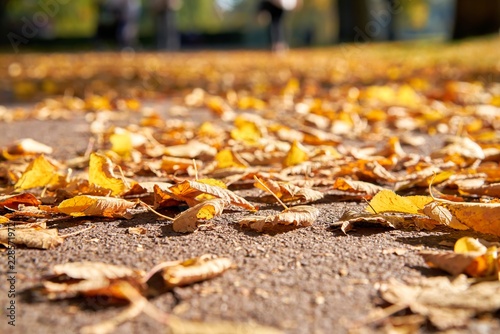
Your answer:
<point x="13" y="201"/>
<point x="188" y="220"/>
<point x="358" y="187"/>
<point x="101" y="174"/>
<point x="31" y="237"/>
<point x="39" y="173"/>
<point x="194" y="270"/>
<point x="296" y="155"/>
<point x="246" y="131"/>
<point x="297" y="216"/>
<point x="4" y="220"/>
<point x="181" y="326"/>
<point x="481" y="217"/>
<point x="389" y="201"/>
<point x="86" y="205"/>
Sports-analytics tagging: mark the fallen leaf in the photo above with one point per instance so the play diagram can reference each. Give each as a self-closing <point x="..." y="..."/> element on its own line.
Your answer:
<point x="101" y="174"/>
<point x="447" y="304"/>
<point x="31" y="237"/>
<point x="181" y="326"/>
<point x="188" y="220"/>
<point x="365" y="189"/>
<point x="481" y="217"/>
<point x="137" y="230"/>
<point x="39" y="173"/>
<point x="297" y="216"/>
<point x="296" y="155"/>
<point x="86" y="205"/>
<point x="389" y="201"/>
<point x="290" y="193"/>
<point x="13" y="201"/>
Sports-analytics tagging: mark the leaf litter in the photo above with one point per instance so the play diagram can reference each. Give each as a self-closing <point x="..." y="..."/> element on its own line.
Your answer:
<point x="300" y="159"/>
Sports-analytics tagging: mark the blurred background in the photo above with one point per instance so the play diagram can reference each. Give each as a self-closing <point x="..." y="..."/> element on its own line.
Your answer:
<point x="189" y="24"/>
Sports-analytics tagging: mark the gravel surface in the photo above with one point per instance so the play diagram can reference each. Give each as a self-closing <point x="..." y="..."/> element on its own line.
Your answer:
<point x="309" y="280"/>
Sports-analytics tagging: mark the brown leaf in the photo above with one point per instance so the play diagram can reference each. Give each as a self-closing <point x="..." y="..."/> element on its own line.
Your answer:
<point x="290" y="193"/>
<point x="297" y="216"/>
<point x="365" y="189"/>
<point x="482" y="217"/>
<point x="13" y="201"/>
<point x="447" y="304"/>
<point x="188" y="220"/>
<point x="31" y="237"/>
<point x="188" y="190"/>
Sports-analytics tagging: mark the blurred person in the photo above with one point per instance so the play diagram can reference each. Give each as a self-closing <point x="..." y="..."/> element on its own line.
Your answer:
<point x="119" y="19"/>
<point x="167" y="36"/>
<point x="274" y="11"/>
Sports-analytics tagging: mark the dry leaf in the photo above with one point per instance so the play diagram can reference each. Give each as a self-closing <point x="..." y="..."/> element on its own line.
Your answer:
<point x="188" y="220"/>
<point x="389" y="201"/>
<point x="101" y="174"/>
<point x="26" y="146"/>
<point x="398" y="221"/>
<point x="482" y="217"/>
<point x="365" y="189"/>
<point x="31" y="237"/>
<point x="290" y="193"/>
<point x="188" y="190"/>
<point x="296" y="155"/>
<point x="180" y="326"/>
<point x="13" y="201"/>
<point x="447" y="304"/>
<point x="137" y="230"/>
<point x="39" y="173"/>
<point x="86" y="205"/>
<point x="297" y="216"/>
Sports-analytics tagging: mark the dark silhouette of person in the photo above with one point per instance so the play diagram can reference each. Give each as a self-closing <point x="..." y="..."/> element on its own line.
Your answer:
<point x="275" y="10"/>
<point x="167" y="36"/>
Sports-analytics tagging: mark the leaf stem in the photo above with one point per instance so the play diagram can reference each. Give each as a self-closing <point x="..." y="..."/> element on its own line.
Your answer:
<point x="154" y="211"/>
<point x="270" y="191"/>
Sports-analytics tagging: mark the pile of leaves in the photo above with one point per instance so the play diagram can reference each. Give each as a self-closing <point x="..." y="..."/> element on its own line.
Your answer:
<point x="421" y="142"/>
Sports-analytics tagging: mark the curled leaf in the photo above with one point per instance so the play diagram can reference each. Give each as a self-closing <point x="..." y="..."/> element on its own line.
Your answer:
<point x="297" y="216"/>
<point x="188" y="220"/>
<point x="86" y="205"/>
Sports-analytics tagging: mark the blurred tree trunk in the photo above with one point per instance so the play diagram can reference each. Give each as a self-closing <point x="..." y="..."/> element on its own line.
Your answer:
<point x="3" y="21"/>
<point x="476" y="17"/>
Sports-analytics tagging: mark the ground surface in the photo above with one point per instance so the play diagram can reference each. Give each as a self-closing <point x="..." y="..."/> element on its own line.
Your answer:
<point x="308" y="280"/>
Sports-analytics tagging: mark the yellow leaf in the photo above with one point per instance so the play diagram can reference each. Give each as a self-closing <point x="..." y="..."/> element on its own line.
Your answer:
<point x="189" y="190"/>
<point x="188" y="220"/>
<point x="389" y="201"/>
<point x="468" y="244"/>
<point x="296" y="155"/>
<point x="101" y="174"/>
<point x="482" y="217"/>
<point x="85" y="205"/>
<point x="246" y="131"/>
<point x="121" y="143"/>
<point x="226" y="159"/>
<point x="4" y="220"/>
<point x="39" y="173"/>
<point x="357" y="187"/>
